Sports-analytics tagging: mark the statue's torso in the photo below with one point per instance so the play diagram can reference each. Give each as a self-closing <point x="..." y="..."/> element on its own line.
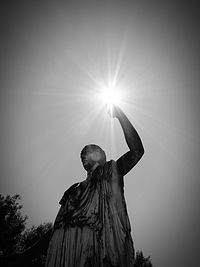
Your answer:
<point x="98" y="205"/>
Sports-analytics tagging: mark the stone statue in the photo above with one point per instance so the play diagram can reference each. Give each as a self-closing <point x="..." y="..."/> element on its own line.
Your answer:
<point x="92" y="227"/>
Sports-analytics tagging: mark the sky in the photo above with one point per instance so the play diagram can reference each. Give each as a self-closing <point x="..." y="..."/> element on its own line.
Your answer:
<point x="54" y="58"/>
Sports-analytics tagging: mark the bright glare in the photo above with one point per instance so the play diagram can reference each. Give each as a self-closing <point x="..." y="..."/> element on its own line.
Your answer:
<point x="110" y="96"/>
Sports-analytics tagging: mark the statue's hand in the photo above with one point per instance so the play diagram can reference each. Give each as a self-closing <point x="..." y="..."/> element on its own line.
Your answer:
<point x="113" y="111"/>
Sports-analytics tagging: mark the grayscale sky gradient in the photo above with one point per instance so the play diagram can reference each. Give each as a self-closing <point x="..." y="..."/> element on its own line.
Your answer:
<point x="53" y="55"/>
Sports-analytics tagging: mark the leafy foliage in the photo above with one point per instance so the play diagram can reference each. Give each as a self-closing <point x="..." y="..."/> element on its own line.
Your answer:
<point x="33" y="244"/>
<point x="32" y="235"/>
<point x="12" y="223"/>
<point x="141" y="261"/>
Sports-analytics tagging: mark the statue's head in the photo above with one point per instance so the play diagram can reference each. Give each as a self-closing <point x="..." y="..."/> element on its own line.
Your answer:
<point x="92" y="156"/>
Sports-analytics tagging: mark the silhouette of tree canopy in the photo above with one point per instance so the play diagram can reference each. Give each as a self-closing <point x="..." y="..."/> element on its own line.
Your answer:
<point x="33" y="246"/>
<point x="32" y="235"/>
<point x="141" y="261"/>
<point x="12" y="223"/>
<point x="20" y="246"/>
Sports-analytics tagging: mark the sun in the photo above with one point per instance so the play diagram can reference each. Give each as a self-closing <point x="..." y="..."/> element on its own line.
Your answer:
<point x="110" y="96"/>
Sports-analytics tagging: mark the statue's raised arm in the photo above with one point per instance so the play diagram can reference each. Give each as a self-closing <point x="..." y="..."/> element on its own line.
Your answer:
<point x="136" y="150"/>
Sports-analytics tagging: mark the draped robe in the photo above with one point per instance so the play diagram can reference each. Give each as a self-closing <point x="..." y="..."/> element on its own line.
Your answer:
<point x="92" y="227"/>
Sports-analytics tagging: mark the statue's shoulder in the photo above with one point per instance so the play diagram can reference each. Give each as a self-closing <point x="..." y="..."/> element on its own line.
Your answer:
<point x="68" y="192"/>
<point x="115" y="176"/>
<point x="111" y="165"/>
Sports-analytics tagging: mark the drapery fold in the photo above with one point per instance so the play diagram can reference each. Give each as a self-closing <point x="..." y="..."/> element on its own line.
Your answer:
<point x="92" y="227"/>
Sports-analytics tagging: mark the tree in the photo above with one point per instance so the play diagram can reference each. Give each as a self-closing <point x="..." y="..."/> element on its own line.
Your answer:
<point x="141" y="261"/>
<point x="32" y="235"/>
<point x="12" y="223"/>
<point x="32" y="247"/>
